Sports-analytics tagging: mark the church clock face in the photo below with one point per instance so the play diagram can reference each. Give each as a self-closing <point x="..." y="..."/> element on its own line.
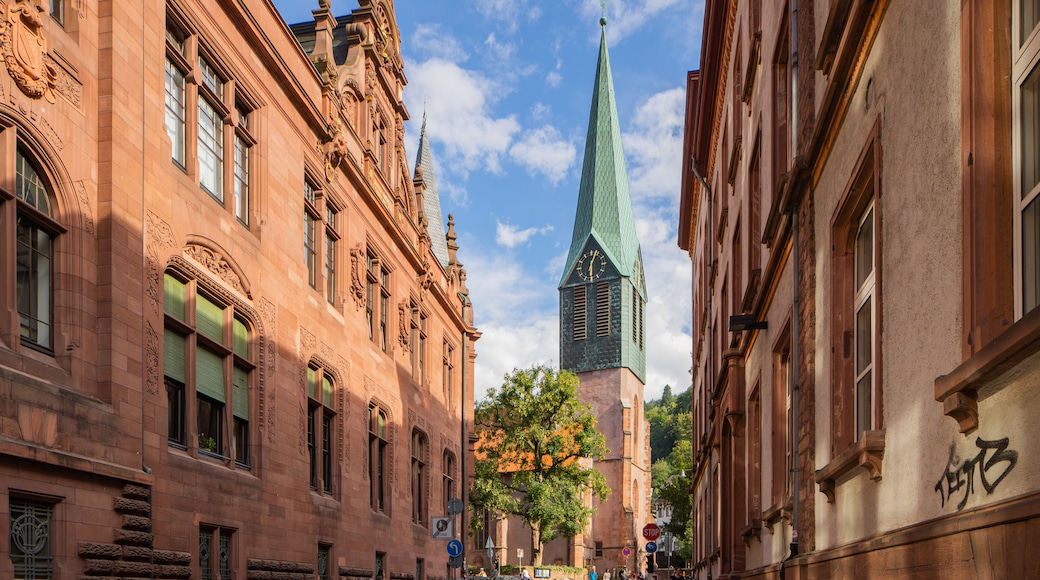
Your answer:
<point x="591" y="265"/>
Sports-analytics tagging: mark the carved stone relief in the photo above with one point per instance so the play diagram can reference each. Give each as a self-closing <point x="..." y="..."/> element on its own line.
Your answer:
<point x="216" y="264"/>
<point x="151" y="348"/>
<point x="159" y="238"/>
<point x="24" y="49"/>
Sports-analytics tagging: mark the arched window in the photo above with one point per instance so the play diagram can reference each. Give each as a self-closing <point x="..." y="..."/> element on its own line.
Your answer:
<point x="320" y="422"/>
<point x="208" y="368"/>
<point x="448" y="479"/>
<point x="419" y="475"/>
<point x="36" y="233"/>
<point x="378" y="457"/>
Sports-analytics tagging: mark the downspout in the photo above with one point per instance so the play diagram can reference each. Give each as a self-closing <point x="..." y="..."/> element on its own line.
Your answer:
<point x="795" y="321"/>
<point x="464" y="443"/>
<point x="708" y="355"/>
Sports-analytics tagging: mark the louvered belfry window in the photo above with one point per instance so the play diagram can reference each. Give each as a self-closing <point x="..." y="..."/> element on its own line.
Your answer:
<point x="603" y="309"/>
<point x="580" y="313"/>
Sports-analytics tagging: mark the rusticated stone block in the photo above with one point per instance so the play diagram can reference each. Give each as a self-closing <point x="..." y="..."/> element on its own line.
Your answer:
<point x="142" y="569"/>
<point x="169" y="557"/>
<point x="136" y="491"/>
<point x="137" y="553"/>
<point x="279" y="566"/>
<point x="139" y="523"/>
<point x="99" y="551"/>
<point x="132" y="538"/>
<point x="132" y="506"/>
<point x="355" y="572"/>
<point x="172" y="572"/>
<point x="98" y="567"/>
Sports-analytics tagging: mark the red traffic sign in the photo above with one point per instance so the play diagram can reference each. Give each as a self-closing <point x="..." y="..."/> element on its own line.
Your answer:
<point x="651" y="531"/>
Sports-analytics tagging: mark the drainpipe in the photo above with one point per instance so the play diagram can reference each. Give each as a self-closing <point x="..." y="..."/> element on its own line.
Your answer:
<point x="795" y="322"/>
<point x="464" y="442"/>
<point x="711" y="378"/>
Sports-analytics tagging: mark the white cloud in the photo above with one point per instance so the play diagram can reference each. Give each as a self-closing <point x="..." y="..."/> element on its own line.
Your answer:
<point x="497" y="50"/>
<point x="438" y="44"/>
<point x="510" y="236"/>
<point x="626" y="16"/>
<point x="540" y="111"/>
<point x="508" y="12"/>
<point x="553" y="79"/>
<point x="459" y="104"/>
<point x="653" y="145"/>
<point x="544" y="151"/>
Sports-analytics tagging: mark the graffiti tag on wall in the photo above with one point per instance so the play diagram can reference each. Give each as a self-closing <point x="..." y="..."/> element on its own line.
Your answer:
<point x="993" y="462"/>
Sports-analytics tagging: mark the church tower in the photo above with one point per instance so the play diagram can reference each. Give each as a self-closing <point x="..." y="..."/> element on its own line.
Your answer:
<point x="602" y="331"/>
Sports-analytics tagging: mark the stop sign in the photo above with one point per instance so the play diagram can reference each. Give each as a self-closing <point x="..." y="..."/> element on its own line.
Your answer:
<point x="651" y="532"/>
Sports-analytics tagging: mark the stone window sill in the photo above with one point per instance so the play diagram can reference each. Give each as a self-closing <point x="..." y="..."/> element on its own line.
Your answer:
<point x="753" y="530"/>
<point x="958" y="391"/>
<point x="865" y="453"/>
<point x="778" y="512"/>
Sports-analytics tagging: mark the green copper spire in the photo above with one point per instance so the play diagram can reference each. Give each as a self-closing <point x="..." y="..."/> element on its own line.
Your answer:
<point x="604" y="206"/>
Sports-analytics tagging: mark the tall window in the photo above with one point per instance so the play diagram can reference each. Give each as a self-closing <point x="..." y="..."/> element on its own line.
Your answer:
<point x="324" y="562"/>
<point x="215" y="553"/>
<point x="448" y="368"/>
<point x="190" y="71"/>
<point x="208" y="369"/>
<point x="417" y="342"/>
<point x="378" y="457"/>
<point x="856" y="289"/>
<point x="310" y="236"/>
<point x="176" y="100"/>
<point x="211" y="129"/>
<point x="57" y="10"/>
<point x="754" y="455"/>
<point x="243" y="149"/>
<point x="320" y="421"/>
<point x="377" y="300"/>
<point x="581" y="324"/>
<point x="36" y="231"/>
<point x="30" y="546"/>
<point x="1026" y="138"/>
<point x="780" y="440"/>
<point x="448" y="478"/>
<point x="864" y="333"/>
<point x="419" y="453"/>
<point x="331" y="236"/>
<point x="603" y="308"/>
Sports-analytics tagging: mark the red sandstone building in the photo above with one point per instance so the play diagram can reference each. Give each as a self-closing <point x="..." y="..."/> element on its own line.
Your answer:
<point x="235" y="341"/>
<point x="859" y="203"/>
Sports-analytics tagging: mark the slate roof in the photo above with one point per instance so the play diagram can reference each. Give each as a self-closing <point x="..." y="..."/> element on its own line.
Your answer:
<point x="431" y="200"/>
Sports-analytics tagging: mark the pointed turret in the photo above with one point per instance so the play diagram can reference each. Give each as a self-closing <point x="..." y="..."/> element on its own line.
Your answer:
<point x="431" y="200"/>
<point x="604" y="207"/>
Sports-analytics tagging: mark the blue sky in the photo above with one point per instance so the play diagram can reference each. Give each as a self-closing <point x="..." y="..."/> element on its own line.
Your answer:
<point x="506" y="86"/>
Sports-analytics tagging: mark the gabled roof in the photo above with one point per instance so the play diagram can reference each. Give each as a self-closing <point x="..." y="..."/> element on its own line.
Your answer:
<point x="431" y="200"/>
<point x="604" y="204"/>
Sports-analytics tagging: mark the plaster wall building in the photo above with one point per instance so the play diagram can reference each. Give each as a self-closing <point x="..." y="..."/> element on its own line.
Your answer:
<point x="232" y="342"/>
<point x="864" y="260"/>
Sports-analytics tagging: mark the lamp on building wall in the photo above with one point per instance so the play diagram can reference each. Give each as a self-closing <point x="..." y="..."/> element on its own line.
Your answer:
<point x="739" y="322"/>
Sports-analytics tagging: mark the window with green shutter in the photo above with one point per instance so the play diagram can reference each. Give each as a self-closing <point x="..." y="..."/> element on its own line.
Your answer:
<point x="208" y="367"/>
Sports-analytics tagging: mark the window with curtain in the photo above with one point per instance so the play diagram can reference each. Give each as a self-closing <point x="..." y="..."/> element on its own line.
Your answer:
<point x="320" y="427"/>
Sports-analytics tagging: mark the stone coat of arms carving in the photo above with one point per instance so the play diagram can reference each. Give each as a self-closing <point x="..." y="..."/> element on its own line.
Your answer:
<point x="24" y="48"/>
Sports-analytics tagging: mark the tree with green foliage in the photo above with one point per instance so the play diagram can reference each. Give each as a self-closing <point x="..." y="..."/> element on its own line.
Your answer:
<point x="535" y="440"/>
<point x="671" y="434"/>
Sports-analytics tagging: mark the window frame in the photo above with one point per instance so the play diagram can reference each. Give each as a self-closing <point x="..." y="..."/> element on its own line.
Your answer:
<point x="27" y="505"/>
<point x="420" y="474"/>
<point x="1025" y="62"/>
<point x="448" y="477"/>
<point x="231" y="112"/>
<point x="417" y="334"/>
<point x="217" y="568"/>
<point x="237" y="351"/>
<point x="321" y="427"/>
<point x="448" y="373"/>
<point x="41" y="222"/>
<point x="379" y="450"/>
<point x="377" y="299"/>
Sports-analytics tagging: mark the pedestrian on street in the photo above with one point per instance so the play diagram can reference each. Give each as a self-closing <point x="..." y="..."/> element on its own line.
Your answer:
<point x="592" y="573"/>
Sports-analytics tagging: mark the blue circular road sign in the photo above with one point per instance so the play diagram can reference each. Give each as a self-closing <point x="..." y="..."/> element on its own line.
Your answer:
<point x="454" y="548"/>
<point x="651" y="547"/>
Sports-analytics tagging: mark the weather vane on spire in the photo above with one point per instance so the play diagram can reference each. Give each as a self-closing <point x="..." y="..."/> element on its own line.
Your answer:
<point x="603" y="15"/>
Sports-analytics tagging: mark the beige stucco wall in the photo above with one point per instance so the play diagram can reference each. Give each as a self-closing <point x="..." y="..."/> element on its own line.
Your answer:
<point x="920" y="276"/>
